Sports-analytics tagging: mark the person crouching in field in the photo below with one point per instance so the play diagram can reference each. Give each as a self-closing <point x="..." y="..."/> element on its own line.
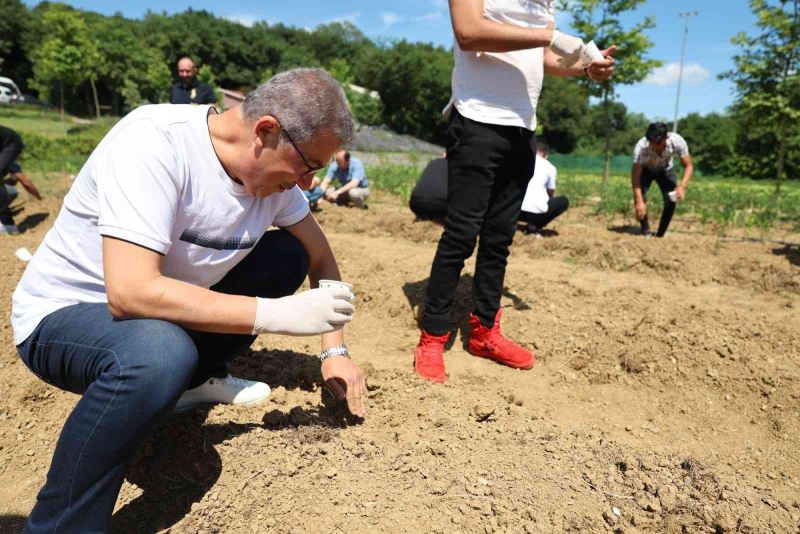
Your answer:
<point x="652" y="161"/>
<point x="159" y="270"/>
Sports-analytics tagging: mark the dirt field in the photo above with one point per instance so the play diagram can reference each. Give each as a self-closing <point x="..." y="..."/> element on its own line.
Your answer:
<point x="665" y="399"/>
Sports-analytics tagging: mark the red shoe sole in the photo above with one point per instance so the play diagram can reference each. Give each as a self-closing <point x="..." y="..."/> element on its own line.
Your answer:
<point x="522" y="365"/>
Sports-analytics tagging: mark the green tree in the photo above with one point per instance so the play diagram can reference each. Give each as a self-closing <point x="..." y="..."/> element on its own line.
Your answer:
<point x="413" y="80"/>
<point x="768" y="91"/>
<point x="711" y="140"/>
<point x="563" y="113"/>
<point x="132" y="71"/>
<point x="600" y="20"/>
<point x="14" y="19"/>
<point x="366" y="108"/>
<point x="67" y="54"/>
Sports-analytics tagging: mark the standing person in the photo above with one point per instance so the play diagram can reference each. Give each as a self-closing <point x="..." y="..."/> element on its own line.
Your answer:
<point x="503" y="48"/>
<point x="540" y="205"/>
<point x="348" y="172"/>
<point x="652" y="160"/>
<point x="159" y="270"/>
<point x="189" y="90"/>
<point x="11" y="146"/>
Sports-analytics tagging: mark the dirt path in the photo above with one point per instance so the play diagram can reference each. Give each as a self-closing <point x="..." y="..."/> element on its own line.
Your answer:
<point x="665" y="399"/>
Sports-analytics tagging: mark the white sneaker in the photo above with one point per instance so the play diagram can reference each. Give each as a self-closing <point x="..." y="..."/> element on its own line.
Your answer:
<point x="10" y="229"/>
<point x="227" y="390"/>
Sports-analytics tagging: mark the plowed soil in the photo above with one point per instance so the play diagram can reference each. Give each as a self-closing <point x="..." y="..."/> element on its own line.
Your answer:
<point x="665" y="398"/>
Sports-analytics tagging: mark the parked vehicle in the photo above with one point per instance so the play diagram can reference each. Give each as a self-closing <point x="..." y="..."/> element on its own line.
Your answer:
<point x="11" y="88"/>
<point x="5" y="95"/>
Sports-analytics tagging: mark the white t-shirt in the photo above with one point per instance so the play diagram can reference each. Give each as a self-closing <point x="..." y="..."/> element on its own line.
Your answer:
<point x="544" y="178"/>
<point x="502" y="88"/>
<point x="647" y="157"/>
<point x="154" y="180"/>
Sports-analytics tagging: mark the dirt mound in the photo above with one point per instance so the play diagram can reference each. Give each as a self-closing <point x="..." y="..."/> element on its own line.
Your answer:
<point x="665" y="399"/>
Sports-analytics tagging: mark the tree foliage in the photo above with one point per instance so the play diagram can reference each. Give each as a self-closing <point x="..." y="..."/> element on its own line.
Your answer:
<point x="768" y="92"/>
<point x="600" y="20"/>
<point x="563" y="113"/>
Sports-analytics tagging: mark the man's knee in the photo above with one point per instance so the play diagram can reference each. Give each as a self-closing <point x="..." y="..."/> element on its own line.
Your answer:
<point x="159" y="358"/>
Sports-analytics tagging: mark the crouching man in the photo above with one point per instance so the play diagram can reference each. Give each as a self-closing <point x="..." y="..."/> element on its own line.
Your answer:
<point x="159" y="270"/>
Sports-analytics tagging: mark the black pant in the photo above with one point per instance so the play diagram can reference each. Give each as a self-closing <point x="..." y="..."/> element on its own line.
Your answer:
<point x="275" y="268"/>
<point x="488" y="169"/>
<point x="667" y="183"/>
<point x="7" y="157"/>
<point x="555" y="207"/>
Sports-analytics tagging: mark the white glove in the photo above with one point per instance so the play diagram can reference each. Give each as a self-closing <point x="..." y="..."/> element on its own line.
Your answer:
<point x="316" y="311"/>
<point x="568" y="47"/>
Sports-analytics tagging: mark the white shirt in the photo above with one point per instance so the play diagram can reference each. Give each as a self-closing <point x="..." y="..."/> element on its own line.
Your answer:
<point x="544" y="178"/>
<point x="155" y="181"/>
<point x="647" y="157"/>
<point x="502" y="87"/>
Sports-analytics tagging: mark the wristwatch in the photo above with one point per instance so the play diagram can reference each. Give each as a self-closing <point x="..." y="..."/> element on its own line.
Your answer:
<point x="339" y="350"/>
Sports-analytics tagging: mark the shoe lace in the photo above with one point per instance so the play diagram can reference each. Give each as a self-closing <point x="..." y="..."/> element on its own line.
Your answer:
<point x="500" y="343"/>
<point x="233" y="381"/>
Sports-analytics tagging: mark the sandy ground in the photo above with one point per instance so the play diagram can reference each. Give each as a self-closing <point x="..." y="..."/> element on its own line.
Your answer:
<point x="665" y="399"/>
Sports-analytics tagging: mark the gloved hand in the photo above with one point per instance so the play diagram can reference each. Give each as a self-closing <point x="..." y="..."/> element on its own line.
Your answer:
<point x="567" y="47"/>
<point x="311" y="312"/>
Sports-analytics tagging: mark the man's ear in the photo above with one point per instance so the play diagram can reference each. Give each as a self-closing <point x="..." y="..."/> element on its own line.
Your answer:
<point x="265" y="128"/>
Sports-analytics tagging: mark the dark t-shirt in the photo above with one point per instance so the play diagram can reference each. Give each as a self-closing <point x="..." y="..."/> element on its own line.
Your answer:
<point x="195" y="93"/>
<point x="433" y="182"/>
<point x="10" y="147"/>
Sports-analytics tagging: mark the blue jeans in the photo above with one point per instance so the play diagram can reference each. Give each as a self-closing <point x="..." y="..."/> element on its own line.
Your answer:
<point x="314" y="195"/>
<point x="131" y="374"/>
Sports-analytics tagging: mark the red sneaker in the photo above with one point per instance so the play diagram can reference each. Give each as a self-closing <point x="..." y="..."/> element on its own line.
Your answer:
<point x="429" y="357"/>
<point x="490" y="343"/>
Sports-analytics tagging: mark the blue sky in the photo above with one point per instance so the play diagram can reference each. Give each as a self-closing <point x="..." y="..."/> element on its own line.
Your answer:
<point x="709" y="51"/>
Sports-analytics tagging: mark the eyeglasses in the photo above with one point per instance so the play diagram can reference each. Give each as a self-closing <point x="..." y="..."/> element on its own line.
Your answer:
<point x="310" y="169"/>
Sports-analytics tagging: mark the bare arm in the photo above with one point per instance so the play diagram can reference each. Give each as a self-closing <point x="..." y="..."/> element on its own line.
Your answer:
<point x="476" y="33"/>
<point x="27" y="184"/>
<point x="688" y="170"/>
<point x="341" y="374"/>
<point x="135" y="287"/>
<point x="348" y="186"/>
<point x="636" y="182"/>
<point x="321" y="263"/>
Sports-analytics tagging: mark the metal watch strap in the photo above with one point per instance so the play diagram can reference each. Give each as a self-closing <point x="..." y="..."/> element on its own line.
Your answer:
<point x="339" y="350"/>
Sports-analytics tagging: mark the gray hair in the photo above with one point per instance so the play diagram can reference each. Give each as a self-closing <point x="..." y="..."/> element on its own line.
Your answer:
<point x="305" y="102"/>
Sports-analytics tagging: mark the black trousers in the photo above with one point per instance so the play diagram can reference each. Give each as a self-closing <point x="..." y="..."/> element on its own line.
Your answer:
<point x="488" y="169"/>
<point x="7" y="157"/>
<point x="555" y="207"/>
<point x="666" y="182"/>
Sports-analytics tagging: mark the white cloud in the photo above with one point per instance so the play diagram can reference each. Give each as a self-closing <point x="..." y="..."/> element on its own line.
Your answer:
<point x="245" y="19"/>
<point x="693" y="74"/>
<point x="347" y="17"/>
<point x="430" y="17"/>
<point x="390" y="19"/>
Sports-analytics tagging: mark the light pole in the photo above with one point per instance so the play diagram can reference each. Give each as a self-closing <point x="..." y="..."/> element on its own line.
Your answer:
<point x="686" y="15"/>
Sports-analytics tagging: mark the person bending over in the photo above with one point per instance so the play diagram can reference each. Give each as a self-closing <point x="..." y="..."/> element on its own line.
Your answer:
<point x="11" y="147"/>
<point x="159" y="270"/>
<point x="540" y="205"/>
<point x="652" y="161"/>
